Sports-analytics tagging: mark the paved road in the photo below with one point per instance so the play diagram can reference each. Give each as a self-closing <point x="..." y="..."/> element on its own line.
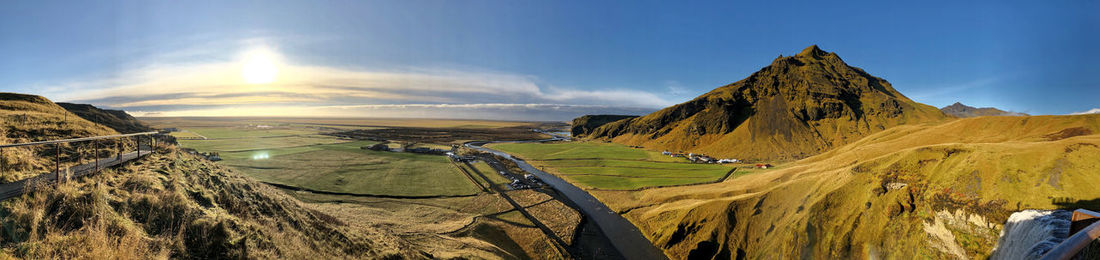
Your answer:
<point x="14" y="189"/>
<point x="624" y="235"/>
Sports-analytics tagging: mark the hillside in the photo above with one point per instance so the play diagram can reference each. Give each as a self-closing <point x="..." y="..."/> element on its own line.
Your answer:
<point x="115" y="119"/>
<point x="584" y="125"/>
<point x="964" y="111"/>
<point x="29" y="118"/>
<point x="914" y="191"/>
<point x="796" y="107"/>
<point x="177" y="205"/>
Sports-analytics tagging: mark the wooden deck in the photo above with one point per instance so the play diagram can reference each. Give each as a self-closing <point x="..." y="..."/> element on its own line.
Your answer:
<point x="15" y="189"/>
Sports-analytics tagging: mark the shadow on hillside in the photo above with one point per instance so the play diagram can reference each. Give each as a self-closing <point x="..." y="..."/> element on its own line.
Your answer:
<point x="1072" y="204"/>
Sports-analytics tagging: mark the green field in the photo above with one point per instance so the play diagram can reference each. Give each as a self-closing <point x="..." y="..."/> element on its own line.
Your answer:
<point x="345" y="168"/>
<point x="489" y="172"/>
<point x="297" y="155"/>
<point x="613" y="166"/>
<point x="257" y="143"/>
<point x="249" y="132"/>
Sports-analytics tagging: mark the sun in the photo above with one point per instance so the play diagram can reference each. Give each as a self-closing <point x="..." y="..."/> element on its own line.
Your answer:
<point x="259" y="67"/>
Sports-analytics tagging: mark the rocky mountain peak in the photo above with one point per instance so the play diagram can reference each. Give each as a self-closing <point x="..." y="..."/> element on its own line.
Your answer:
<point x="798" y="106"/>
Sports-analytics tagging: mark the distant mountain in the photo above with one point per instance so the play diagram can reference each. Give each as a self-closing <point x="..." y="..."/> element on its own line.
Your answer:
<point x="796" y="107"/>
<point x="584" y="125"/>
<point x="964" y="111"/>
<point x="115" y="119"/>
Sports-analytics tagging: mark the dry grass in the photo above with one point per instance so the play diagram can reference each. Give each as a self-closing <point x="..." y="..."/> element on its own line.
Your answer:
<point x="485" y="222"/>
<point x="180" y="206"/>
<point x="881" y="196"/>
<point x="27" y="118"/>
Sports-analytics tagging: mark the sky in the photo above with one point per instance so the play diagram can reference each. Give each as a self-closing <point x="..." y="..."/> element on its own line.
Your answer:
<point x="530" y="60"/>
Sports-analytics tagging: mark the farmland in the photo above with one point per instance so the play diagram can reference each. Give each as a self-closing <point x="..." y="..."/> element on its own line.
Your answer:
<point x="294" y="153"/>
<point x="315" y="161"/>
<point x="612" y="166"/>
<point x="344" y="168"/>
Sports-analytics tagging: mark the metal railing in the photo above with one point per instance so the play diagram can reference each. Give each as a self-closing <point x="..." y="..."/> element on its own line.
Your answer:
<point x="96" y="145"/>
<point x="1085" y="229"/>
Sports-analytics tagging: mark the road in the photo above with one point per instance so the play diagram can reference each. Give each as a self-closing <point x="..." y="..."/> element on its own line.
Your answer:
<point x="623" y="234"/>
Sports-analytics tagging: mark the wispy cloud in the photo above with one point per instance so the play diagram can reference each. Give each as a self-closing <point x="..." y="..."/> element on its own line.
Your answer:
<point x="215" y="87"/>
<point x="522" y="112"/>
<point x="1090" y="111"/>
<point x="950" y="90"/>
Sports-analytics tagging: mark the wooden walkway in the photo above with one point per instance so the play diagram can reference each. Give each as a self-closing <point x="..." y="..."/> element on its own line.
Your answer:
<point x="15" y="189"/>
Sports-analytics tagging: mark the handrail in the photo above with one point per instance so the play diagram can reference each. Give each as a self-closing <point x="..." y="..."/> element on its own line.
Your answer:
<point x="77" y="139"/>
<point x="1077" y="242"/>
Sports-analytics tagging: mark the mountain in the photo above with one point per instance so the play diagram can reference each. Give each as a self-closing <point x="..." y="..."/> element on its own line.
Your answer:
<point x="796" y="107"/>
<point x="584" y="125"/>
<point x="964" y="111"/>
<point x="115" y="119"/>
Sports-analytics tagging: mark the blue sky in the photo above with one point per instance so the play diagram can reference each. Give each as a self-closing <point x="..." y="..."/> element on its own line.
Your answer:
<point x="531" y="60"/>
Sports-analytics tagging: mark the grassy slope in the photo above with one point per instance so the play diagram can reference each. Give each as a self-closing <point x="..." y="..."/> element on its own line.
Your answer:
<point x="28" y="118"/>
<point x="961" y="180"/>
<point x="115" y="119"/>
<point x="612" y="166"/>
<point x="176" y="205"/>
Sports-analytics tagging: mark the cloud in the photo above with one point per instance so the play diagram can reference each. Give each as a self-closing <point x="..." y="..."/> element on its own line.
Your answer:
<point x="497" y="111"/>
<point x="1090" y="111"/>
<point x="215" y="87"/>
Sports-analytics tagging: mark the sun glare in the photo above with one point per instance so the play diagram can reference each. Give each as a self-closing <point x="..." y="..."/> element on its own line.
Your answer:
<point x="259" y="67"/>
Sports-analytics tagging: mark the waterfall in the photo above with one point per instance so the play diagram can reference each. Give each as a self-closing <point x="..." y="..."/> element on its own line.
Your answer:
<point x="1031" y="233"/>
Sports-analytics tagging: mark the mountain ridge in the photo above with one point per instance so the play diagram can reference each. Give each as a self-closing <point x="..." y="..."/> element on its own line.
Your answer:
<point x="115" y="119"/>
<point x="795" y="107"/>
<point x="963" y="111"/>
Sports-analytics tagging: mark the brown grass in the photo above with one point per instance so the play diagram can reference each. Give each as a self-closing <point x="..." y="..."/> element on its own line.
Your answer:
<point x="881" y="196"/>
<point x="176" y="205"/>
<point x="27" y="118"/>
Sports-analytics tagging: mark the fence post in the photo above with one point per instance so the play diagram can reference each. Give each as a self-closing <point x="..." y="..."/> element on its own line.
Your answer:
<point x="57" y="161"/>
<point x="2" y="164"/>
<point x="118" y="150"/>
<point x="96" y="147"/>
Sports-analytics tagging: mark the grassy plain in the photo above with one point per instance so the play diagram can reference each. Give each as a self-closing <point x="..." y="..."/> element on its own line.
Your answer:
<point x="345" y="168"/>
<point x="357" y="123"/>
<point x="293" y="152"/>
<point x="257" y="143"/>
<point x="613" y="166"/>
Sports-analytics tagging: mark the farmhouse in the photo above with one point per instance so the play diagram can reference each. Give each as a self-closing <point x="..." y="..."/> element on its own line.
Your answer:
<point x="729" y="161"/>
